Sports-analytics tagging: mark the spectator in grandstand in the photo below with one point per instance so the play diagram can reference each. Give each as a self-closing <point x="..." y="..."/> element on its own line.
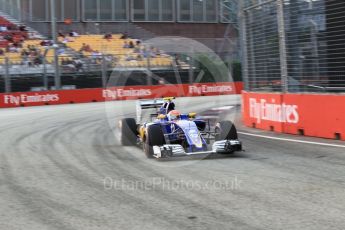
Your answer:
<point x="108" y="36"/>
<point x="25" y="58"/>
<point x="153" y="52"/>
<point x="61" y="34"/>
<point x="161" y="81"/>
<point x="13" y="49"/>
<point x="96" y="56"/>
<point x="24" y="53"/>
<point x="8" y="37"/>
<point x="136" y="49"/>
<point x="31" y="48"/>
<point x="67" y="40"/>
<point x="2" y="52"/>
<point x="86" y="48"/>
<point x="46" y="43"/>
<point x="109" y="58"/>
<point x="3" y="28"/>
<point x="23" y="28"/>
<point x="22" y="39"/>
<point x="139" y="58"/>
<point x="18" y="45"/>
<point x="30" y="59"/>
<point x="138" y="42"/>
<point x="33" y="53"/>
<point x="126" y="45"/>
<point x="80" y="54"/>
<point x="34" y="35"/>
<point x="130" y="58"/>
<point x="131" y="45"/>
<point x="66" y="61"/>
<point x="124" y="35"/>
<point x="43" y="43"/>
<point x="63" y="61"/>
<point x="38" y="60"/>
<point x="145" y="53"/>
<point x="177" y="59"/>
<point x="61" y="51"/>
<point x="78" y="65"/>
<point x="14" y="27"/>
<point x="73" y="34"/>
<point x="69" y="64"/>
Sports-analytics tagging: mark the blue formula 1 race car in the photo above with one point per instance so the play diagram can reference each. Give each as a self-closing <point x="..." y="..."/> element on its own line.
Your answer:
<point x="171" y="134"/>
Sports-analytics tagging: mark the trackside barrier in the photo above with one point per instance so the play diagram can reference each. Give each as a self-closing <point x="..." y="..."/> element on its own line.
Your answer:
<point x="117" y="93"/>
<point x="316" y="115"/>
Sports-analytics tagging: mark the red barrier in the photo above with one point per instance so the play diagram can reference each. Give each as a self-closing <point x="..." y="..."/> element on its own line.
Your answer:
<point x="116" y="93"/>
<point x="314" y="115"/>
<point x="259" y="111"/>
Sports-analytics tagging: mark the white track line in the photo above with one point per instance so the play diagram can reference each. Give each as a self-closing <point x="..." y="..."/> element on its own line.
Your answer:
<point x="223" y="108"/>
<point x="292" y="140"/>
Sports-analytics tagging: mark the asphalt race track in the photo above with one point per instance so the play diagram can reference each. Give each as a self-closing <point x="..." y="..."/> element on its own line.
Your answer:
<point x="62" y="168"/>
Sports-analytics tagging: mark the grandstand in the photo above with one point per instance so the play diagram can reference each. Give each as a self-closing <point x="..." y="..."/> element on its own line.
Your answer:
<point x="212" y="22"/>
<point x="114" y="47"/>
<point x="124" y="56"/>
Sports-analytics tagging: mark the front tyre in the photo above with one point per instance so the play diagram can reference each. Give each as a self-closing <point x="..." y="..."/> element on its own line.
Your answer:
<point x="154" y="136"/>
<point x="226" y="130"/>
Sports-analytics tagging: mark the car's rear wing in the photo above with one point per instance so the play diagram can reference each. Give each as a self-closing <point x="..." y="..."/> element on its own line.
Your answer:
<point x="147" y="108"/>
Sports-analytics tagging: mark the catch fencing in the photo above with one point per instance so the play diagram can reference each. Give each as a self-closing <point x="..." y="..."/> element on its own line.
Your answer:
<point x="294" y="45"/>
<point x="20" y="73"/>
<point x="37" y="73"/>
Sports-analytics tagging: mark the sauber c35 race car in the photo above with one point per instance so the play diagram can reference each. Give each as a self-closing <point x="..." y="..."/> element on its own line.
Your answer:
<point x="168" y="133"/>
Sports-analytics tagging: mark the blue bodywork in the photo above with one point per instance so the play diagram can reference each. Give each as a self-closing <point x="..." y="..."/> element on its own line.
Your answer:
<point x="184" y="131"/>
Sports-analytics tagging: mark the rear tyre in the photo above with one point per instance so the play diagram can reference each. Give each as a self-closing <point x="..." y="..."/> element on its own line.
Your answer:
<point x="128" y="132"/>
<point x="226" y="130"/>
<point x="155" y="136"/>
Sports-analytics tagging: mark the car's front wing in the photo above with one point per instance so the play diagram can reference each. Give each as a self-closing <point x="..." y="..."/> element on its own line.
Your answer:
<point x="225" y="146"/>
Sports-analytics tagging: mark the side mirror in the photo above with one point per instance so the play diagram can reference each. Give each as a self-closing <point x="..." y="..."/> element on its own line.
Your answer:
<point x="161" y="116"/>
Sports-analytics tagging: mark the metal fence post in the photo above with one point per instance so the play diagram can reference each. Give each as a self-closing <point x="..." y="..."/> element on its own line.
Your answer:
<point x="252" y="55"/>
<point x="7" y="76"/>
<point x="191" y="70"/>
<point x="54" y="37"/>
<point x="57" y="70"/>
<point x="282" y="46"/>
<point x="149" y="77"/>
<point x="104" y="72"/>
<point x="243" y="41"/>
<point x="148" y="63"/>
<point x="45" y="78"/>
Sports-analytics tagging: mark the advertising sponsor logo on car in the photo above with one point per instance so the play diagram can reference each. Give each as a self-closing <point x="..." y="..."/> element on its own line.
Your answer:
<point x="262" y="110"/>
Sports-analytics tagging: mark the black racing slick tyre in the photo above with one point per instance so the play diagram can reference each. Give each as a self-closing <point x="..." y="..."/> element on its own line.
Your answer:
<point x="128" y="132"/>
<point x="155" y="136"/>
<point x="226" y="130"/>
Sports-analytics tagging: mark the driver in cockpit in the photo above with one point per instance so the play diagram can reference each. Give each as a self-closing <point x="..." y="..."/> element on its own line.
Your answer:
<point x="174" y="115"/>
